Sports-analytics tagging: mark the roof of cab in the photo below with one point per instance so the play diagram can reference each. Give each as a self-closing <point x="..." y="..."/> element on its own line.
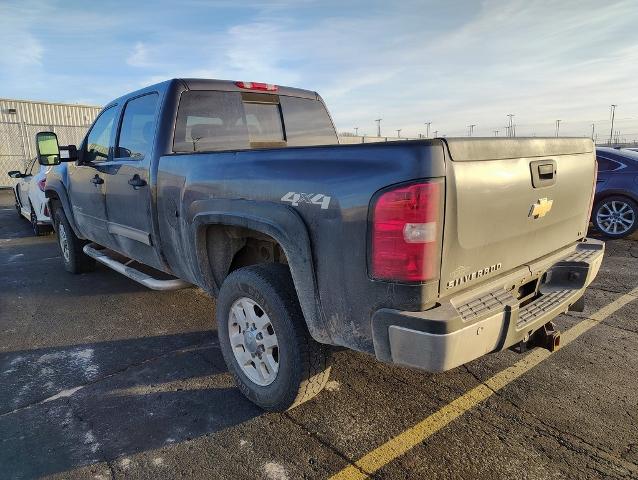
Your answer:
<point x="212" y="84"/>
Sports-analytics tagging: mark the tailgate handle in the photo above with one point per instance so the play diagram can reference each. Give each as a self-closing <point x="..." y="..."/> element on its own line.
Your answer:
<point x="546" y="171"/>
<point x="543" y="172"/>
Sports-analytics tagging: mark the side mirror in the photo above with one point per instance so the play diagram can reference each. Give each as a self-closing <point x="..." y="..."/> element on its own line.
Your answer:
<point x="69" y="153"/>
<point x="46" y="144"/>
<point x="16" y="174"/>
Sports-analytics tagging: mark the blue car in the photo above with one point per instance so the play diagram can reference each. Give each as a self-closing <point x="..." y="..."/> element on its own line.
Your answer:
<point x="616" y="201"/>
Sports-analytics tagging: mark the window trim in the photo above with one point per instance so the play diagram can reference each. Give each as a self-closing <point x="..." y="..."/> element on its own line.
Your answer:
<point x="621" y="166"/>
<point x="116" y="141"/>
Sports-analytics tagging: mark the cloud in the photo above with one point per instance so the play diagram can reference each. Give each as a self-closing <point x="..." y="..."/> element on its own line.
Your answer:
<point x="451" y="63"/>
<point x="139" y="56"/>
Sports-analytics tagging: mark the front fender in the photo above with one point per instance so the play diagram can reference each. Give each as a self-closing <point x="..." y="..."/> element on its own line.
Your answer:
<point x="55" y="188"/>
<point x="280" y="222"/>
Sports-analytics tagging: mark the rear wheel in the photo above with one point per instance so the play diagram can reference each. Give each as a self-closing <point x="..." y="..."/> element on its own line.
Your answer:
<point x="264" y="339"/>
<point x="75" y="260"/>
<point x="616" y="216"/>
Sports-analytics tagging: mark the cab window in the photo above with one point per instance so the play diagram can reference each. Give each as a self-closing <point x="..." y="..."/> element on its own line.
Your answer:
<point x="138" y="128"/>
<point x="97" y="142"/>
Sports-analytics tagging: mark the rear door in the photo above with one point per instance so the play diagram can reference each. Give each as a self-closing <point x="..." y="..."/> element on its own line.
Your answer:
<point x="128" y="193"/>
<point x="509" y="202"/>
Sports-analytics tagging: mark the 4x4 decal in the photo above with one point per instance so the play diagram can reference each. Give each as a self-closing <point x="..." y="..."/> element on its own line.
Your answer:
<point x="295" y="198"/>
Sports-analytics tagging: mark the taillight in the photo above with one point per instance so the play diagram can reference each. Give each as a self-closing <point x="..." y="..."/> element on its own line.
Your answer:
<point x="405" y="233"/>
<point x="257" y="86"/>
<point x="41" y="184"/>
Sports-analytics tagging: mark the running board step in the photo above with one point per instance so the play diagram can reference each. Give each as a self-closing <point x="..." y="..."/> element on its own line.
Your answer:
<point x="102" y="256"/>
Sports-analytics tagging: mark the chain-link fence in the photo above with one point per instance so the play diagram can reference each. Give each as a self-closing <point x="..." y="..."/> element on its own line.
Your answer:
<point x="17" y="144"/>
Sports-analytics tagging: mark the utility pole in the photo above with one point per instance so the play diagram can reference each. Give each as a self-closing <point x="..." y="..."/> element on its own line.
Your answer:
<point x="378" y="120"/>
<point x="427" y="124"/>
<point x="398" y="133"/>
<point x="471" y="129"/>
<point x="356" y="131"/>
<point x="613" y="114"/>
<point x="510" y="130"/>
<point x="557" y="127"/>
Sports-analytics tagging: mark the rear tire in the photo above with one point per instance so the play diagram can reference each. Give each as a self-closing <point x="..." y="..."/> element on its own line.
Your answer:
<point x="615" y="216"/>
<point x="75" y="260"/>
<point x="301" y="365"/>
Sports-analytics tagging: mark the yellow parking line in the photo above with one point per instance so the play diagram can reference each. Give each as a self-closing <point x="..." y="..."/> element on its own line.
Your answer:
<point x="405" y="441"/>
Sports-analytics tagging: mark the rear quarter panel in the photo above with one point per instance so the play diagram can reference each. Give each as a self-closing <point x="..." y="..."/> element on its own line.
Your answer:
<point x="349" y="175"/>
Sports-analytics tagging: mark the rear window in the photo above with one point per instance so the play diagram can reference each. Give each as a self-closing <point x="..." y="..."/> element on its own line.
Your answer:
<point x="307" y="122"/>
<point x="212" y="120"/>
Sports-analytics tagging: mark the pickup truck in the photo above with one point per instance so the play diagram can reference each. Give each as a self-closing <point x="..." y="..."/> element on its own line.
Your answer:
<point x="427" y="253"/>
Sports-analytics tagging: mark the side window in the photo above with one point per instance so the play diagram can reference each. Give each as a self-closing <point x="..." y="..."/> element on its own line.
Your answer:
<point x="138" y="128"/>
<point x="97" y="143"/>
<point x="29" y="170"/>
<point x="607" y="165"/>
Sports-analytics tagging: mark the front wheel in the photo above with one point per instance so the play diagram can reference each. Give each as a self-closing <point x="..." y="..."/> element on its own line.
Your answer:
<point x="615" y="216"/>
<point x="38" y="230"/>
<point x="264" y="339"/>
<point x="75" y="260"/>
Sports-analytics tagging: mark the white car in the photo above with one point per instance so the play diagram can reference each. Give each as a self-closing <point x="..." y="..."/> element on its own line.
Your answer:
<point x="29" y="194"/>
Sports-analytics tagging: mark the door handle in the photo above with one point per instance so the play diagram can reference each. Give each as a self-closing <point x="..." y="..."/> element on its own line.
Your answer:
<point x="97" y="180"/>
<point x="137" y="182"/>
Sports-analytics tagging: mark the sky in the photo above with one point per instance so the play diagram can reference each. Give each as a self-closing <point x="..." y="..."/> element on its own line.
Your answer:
<point x="451" y="63"/>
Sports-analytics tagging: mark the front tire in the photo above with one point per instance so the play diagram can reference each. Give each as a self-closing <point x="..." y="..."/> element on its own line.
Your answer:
<point x="75" y="260"/>
<point x="38" y="230"/>
<point x="616" y="216"/>
<point x="264" y="339"/>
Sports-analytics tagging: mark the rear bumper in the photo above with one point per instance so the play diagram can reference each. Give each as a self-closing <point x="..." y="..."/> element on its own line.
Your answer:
<point x="489" y="317"/>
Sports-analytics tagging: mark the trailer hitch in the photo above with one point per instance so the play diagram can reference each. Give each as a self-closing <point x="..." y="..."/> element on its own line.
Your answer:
<point x="547" y="337"/>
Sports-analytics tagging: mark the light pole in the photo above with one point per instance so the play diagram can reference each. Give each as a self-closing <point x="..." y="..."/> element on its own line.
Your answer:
<point x="427" y="124"/>
<point x="496" y="133"/>
<point x="471" y="127"/>
<point x="356" y="131"/>
<point x="399" y="133"/>
<point x="378" y="120"/>
<point x="592" y="131"/>
<point x="557" y="127"/>
<point x="436" y="133"/>
<point x="613" y="114"/>
<point x="510" y="130"/>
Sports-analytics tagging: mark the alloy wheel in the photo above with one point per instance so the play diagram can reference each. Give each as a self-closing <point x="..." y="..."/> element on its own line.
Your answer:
<point x="615" y="217"/>
<point x="253" y="341"/>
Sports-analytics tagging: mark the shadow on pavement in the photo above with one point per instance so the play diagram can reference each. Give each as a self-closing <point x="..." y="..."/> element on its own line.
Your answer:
<point x="134" y="395"/>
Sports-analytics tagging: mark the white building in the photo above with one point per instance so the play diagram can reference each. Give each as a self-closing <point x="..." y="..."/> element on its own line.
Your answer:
<point x="20" y="120"/>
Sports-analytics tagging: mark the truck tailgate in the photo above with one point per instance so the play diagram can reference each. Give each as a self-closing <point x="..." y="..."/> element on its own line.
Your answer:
<point x="511" y="201"/>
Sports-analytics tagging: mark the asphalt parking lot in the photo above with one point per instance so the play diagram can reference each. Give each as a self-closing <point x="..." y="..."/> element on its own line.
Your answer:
<point x="101" y="378"/>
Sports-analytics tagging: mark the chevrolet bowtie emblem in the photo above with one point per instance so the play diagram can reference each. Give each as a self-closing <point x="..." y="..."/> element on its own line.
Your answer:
<point x="541" y="208"/>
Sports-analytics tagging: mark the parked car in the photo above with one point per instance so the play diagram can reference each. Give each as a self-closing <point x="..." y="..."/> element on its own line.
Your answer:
<point x="426" y="253"/>
<point x="615" y="212"/>
<point x="30" y="200"/>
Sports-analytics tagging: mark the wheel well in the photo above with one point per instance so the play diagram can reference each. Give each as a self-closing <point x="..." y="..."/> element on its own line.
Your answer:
<point x="604" y="196"/>
<point x="230" y="247"/>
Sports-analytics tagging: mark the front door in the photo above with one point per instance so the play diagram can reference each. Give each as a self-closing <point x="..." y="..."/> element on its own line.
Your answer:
<point x="86" y="179"/>
<point x="127" y="182"/>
